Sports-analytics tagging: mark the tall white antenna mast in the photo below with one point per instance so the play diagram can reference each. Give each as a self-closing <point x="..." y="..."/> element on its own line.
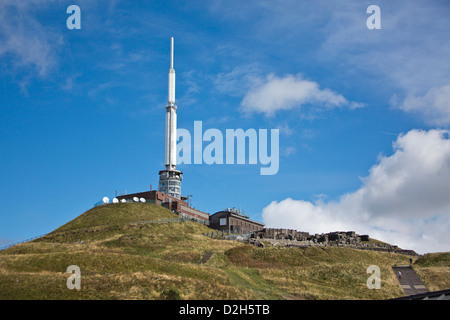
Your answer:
<point x="171" y="53"/>
<point x="171" y="77"/>
<point x="170" y="178"/>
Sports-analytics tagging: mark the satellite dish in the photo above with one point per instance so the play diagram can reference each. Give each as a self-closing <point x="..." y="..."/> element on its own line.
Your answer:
<point x="123" y="200"/>
<point x="142" y="199"/>
<point x="115" y="200"/>
<point x="135" y="199"/>
<point x="105" y="200"/>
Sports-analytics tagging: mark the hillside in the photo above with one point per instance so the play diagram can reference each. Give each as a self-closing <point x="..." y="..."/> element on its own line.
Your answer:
<point x="434" y="270"/>
<point x="120" y="258"/>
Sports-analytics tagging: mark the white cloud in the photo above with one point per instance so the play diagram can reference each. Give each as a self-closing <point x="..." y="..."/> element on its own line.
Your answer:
<point x="285" y="129"/>
<point x="274" y="94"/>
<point x="237" y="81"/>
<point x="289" y="151"/>
<point x="24" y="39"/>
<point x="407" y="56"/>
<point x="405" y="200"/>
<point x="434" y="106"/>
<point x="410" y="54"/>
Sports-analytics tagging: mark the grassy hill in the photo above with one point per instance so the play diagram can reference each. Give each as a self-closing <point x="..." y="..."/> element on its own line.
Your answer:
<point x="434" y="270"/>
<point x="120" y="258"/>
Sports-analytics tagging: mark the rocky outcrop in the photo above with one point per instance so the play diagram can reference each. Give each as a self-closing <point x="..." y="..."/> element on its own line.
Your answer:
<point x="294" y="238"/>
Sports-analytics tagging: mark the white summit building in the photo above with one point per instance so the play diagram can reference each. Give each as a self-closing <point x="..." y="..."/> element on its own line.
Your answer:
<point x="170" y="178"/>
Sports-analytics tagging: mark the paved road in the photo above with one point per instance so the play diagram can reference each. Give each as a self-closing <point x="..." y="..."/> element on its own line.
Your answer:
<point x="409" y="280"/>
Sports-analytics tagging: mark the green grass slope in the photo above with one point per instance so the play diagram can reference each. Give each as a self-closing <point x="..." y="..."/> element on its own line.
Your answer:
<point x="117" y="214"/>
<point x="434" y="270"/>
<point x="122" y="259"/>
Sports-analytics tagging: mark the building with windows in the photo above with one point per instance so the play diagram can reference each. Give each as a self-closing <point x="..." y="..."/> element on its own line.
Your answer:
<point x="232" y="220"/>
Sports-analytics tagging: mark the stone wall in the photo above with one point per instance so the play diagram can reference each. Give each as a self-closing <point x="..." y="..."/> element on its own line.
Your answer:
<point x="349" y="239"/>
<point x="289" y="234"/>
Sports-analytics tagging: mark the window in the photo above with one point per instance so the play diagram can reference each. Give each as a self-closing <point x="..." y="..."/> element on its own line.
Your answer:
<point x="223" y="221"/>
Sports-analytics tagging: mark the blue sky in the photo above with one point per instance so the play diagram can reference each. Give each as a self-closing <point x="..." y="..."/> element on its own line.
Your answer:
<point x="82" y="111"/>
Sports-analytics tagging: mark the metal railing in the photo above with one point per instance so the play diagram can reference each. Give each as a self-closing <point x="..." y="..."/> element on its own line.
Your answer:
<point x="23" y="241"/>
<point x="160" y="221"/>
<point x="169" y="220"/>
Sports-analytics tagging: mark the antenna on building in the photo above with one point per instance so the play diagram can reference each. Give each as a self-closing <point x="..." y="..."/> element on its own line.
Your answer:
<point x="170" y="178"/>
